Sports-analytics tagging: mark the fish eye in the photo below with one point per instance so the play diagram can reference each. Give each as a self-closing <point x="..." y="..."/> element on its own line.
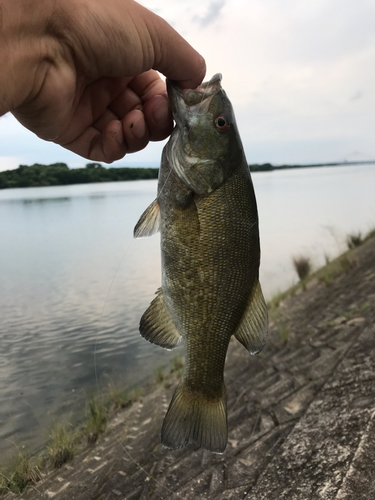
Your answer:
<point x="222" y="122"/>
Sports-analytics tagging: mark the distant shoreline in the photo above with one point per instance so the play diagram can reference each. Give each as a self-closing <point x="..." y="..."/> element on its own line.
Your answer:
<point x="59" y="174"/>
<point x="268" y="167"/>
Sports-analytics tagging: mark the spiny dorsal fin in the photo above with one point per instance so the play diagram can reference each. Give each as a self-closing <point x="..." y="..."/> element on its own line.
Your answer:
<point x="157" y="326"/>
<point x="149" y="221"/>
<point x="253" y="329"/>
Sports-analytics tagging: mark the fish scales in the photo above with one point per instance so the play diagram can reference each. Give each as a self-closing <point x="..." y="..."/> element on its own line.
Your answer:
<point x="207" y="216"/>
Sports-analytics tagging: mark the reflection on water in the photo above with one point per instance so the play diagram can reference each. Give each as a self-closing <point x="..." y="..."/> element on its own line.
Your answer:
<point x="74" y="283"/>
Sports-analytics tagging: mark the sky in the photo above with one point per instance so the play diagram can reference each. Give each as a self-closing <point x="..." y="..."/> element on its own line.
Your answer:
<point x="300" y="76"/>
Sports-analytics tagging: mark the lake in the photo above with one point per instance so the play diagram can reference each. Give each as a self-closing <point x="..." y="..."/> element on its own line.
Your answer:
<point x="74" y="283"/>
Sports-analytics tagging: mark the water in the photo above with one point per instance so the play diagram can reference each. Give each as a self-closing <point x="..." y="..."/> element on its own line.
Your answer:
<point x="74" y="283"/>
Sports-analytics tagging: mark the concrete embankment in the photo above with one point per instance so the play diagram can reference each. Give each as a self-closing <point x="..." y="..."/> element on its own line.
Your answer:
<point x="301" y="415"/>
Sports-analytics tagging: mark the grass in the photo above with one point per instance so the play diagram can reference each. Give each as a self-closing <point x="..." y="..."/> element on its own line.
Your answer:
<point x="302" y="265"/>
<point x="284" y="332"/>
<point x="370" y="234"/>
<point x="96" y="422"/>
<point x="276" y="300"/>
<point x="338" y="266"/>
<point x="160" y="374"/>
<point x="177" y="366"/>
<point x="61" y="444"/>
<point x="20" y="472"/>
<point x="118" y="397"/>
<point x="354" y="240"/>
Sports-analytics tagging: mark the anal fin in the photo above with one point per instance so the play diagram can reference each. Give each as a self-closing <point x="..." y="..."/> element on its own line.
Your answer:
<point x="253" y="329"/>
<point x="157" y="326"/>
<point x="149" y="221"/>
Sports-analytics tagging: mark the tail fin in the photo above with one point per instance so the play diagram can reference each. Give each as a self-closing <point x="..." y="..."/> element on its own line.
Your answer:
<point x="194" y="417"/>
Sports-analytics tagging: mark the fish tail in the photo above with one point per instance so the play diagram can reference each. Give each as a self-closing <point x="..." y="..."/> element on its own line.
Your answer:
<point x="194" y="417"/>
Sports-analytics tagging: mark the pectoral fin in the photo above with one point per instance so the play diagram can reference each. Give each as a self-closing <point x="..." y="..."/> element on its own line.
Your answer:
<point x="149" y="221"/>
<point x="253" y="329"/>
<point x="157" y="326"/>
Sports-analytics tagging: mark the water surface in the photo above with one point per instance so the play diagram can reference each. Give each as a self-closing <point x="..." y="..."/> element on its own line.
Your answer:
<point x="74" y="283"/>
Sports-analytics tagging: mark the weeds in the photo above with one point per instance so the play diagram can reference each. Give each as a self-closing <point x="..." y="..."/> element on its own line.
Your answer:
<point x="302" y="265"/>
<point x="21" y="471"/>
<point x="118" y="397"/>
<point x="371" y="234"/>
<point x="136" y="394"/>
<point x="276" y="300"/>
<point x="354" y="240"/>
<point x="160" y="375"/>
<point x="61" y="444"/>
<point x="96" y="420"/>
<point x="177" y="366"/>
<point x="284" y="332"/>
<point x="328" y="273"/>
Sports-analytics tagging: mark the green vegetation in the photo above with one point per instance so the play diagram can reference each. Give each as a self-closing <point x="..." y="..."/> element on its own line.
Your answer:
<point x="61" y="444"/>
<point x="120" y="398"/>
<point x="96" y="422"/>
<point x="338" y="266"/>
<point x="284" y="332"/>
<point x="354" y="240"/>
<point x="268" y="167"/>
<point x="19" y="473"/>
<point x="177" y="366"/>
<point x="162" y="377"/>
<point x="58" y="174"/>
<point x="159" y="374"/>
<point x="302" y="265"/>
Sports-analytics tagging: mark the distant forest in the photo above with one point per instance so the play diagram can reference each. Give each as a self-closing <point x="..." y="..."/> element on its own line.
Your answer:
<point x="59" y="174"/>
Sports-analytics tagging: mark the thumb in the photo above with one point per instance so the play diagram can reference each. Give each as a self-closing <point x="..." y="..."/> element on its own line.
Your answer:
<point x="174" y="57"/>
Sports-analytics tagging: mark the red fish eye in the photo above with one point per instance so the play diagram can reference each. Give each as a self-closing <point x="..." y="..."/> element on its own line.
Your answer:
<point x="221" y="122"/>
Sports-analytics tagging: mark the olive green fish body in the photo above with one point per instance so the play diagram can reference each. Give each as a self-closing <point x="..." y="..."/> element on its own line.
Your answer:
<point x="210" y="266"/>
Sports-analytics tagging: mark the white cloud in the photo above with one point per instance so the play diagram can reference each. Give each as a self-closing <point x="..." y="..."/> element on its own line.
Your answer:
<point x="300" y="76"/>
<point x="211" y="14"/>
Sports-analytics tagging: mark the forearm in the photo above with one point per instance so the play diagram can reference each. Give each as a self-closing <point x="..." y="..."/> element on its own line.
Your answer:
<point x="25" y="50"/>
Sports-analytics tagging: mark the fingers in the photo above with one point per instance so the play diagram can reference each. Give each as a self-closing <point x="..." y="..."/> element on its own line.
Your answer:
<point x="133" y="133"/>
<point x="158" y="117"/>
<point x="143" y="113"/>
<point x="173" y="55"/>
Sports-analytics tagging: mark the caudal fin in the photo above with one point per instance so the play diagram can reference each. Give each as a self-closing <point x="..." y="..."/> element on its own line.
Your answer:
<point x="194" y="417"/>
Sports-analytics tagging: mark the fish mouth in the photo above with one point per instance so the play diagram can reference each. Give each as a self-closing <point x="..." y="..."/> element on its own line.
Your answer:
<point x="182" y="99"/>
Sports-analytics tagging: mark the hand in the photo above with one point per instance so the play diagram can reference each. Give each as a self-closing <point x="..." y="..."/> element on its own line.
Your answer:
<point x="96" y="90"/>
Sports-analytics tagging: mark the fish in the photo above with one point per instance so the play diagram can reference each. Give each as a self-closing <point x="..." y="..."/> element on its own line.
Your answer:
<point x="206" y="213"/>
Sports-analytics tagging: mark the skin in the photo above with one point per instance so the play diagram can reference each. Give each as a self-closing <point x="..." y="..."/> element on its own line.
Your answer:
<point x="83" y="73"/>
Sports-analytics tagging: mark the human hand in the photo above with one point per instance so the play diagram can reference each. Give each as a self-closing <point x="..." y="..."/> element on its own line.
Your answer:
<point x="96" y="90"/>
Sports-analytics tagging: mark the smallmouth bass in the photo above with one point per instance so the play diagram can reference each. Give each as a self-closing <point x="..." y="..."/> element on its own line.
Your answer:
<point x="207" y="215"/>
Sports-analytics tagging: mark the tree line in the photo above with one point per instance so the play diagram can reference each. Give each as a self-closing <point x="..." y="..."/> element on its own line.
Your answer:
<point x="58" y="174"/>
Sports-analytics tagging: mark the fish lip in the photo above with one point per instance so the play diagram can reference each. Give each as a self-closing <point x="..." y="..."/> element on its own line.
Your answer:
<point x="181" y="99"/>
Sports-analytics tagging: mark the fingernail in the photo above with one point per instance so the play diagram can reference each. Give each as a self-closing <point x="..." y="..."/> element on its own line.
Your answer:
<point x="161" y="111"/>
<point x="138" y="127"/>
<point x="119" y="134"/>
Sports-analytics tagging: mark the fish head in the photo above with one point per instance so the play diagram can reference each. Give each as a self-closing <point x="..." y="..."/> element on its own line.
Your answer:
<point x="205" y="140"/>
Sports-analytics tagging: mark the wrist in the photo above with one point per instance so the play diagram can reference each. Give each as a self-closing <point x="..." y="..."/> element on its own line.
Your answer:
<point x="25" y="48"/>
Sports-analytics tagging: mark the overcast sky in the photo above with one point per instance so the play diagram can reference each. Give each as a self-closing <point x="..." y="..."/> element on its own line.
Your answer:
<point x="300" y="75"/>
